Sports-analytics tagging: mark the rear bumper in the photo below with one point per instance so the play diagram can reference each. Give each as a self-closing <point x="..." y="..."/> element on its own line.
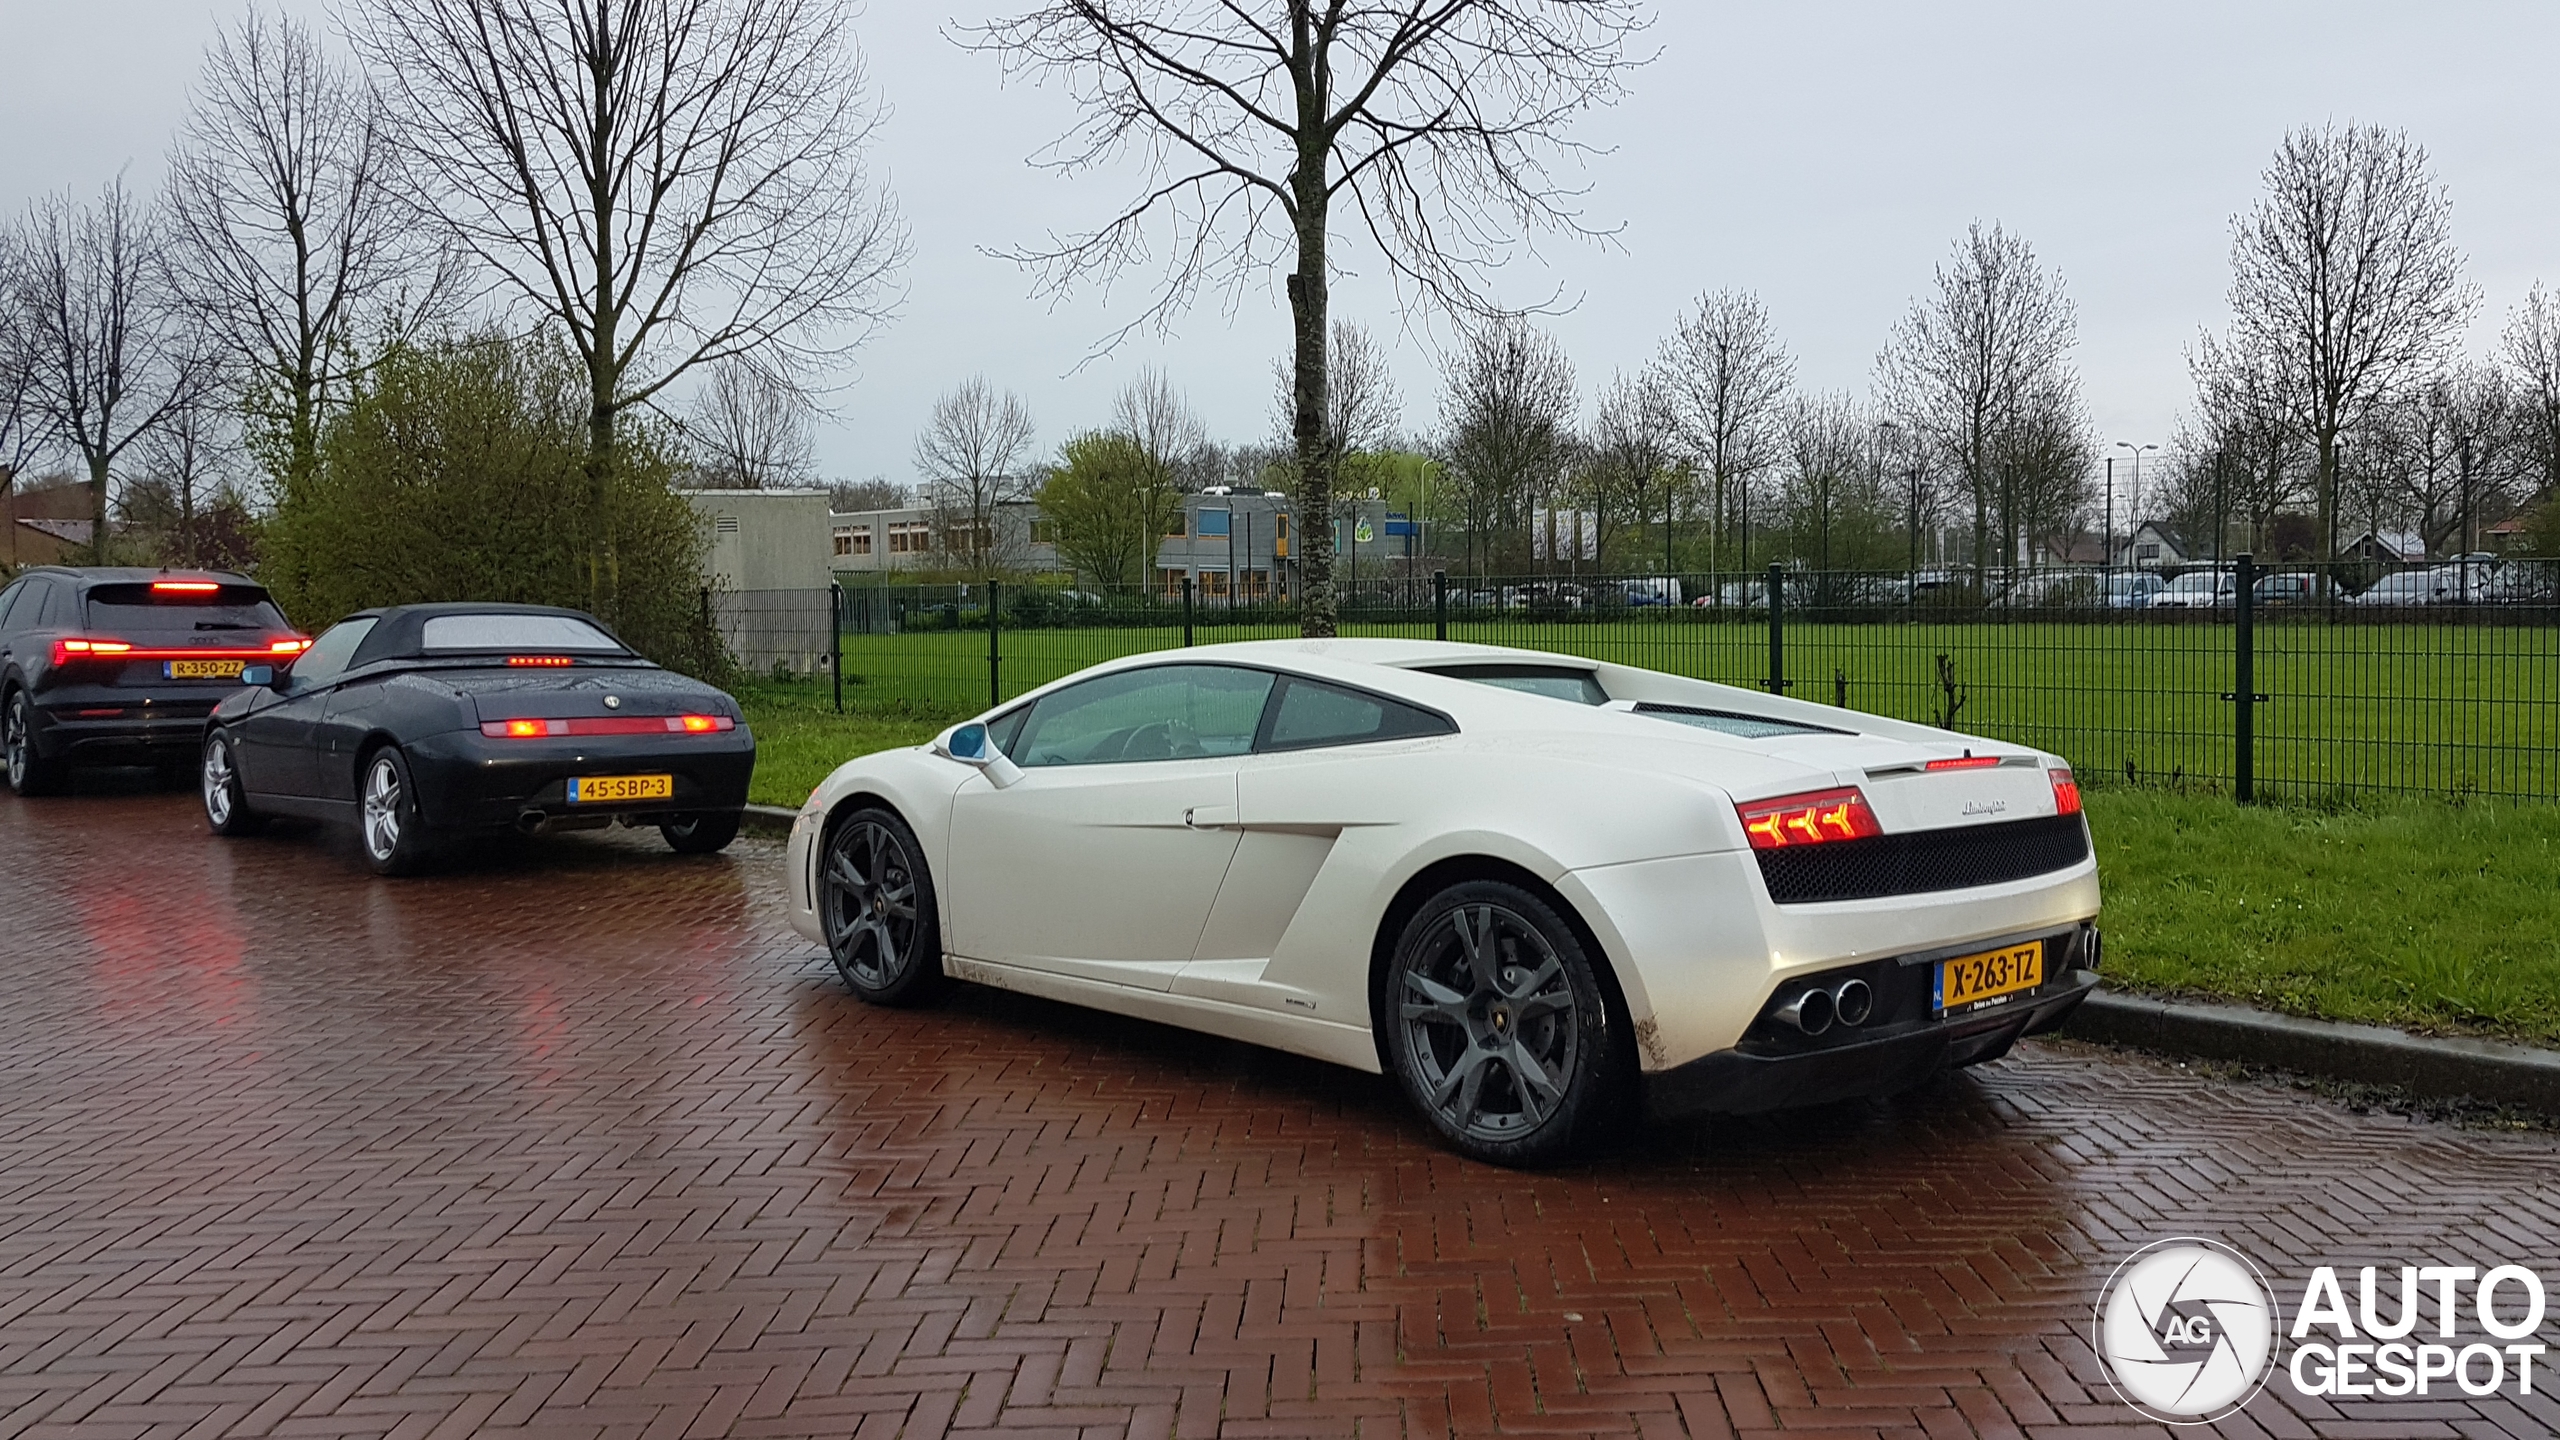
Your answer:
<point x="467" y="781"/>
<point x="141" y="731"/>
<point x="1741" y="1082"/>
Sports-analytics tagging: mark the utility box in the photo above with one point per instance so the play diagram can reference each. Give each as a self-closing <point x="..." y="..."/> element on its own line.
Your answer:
<point x="765" y="574"/>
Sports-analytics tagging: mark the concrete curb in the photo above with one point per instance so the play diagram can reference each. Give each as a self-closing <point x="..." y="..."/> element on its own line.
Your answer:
<point x="767" y="820"/>
<point x="2432" y="1068"/>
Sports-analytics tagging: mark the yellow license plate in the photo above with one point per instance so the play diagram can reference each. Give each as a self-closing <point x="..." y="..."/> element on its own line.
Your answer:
<point x="607" y="789"/>
<point x="202" y="669"/>
<point x="1970" y="982"/>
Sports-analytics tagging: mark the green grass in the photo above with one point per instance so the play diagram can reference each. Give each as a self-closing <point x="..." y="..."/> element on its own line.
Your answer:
<point x="2422" y="914"/>
<point x="2433" y="709"/>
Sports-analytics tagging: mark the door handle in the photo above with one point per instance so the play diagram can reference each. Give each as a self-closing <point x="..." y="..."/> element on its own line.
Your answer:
<point x="1209" y="817"/>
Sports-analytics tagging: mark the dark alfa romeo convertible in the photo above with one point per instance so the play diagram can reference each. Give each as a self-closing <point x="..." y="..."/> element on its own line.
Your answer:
<point x="425" y="723"/>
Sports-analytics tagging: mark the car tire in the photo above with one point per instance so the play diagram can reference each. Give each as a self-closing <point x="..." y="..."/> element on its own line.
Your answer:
<point x="1499" y="1028"/>
<point x="876" y="908"/>
<point x="29" y="772"/>
<point x="394" y="839"/>
<point x="226" y="800"/>
<point x="701" y="832"/>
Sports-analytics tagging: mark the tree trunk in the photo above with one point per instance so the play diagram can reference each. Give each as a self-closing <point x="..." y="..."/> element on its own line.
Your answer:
<point x="1317" y="604"/>
<point x="98" y="507"/>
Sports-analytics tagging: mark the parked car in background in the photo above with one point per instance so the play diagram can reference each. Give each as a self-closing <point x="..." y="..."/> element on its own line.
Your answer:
<point x="1658" y="590"/>
<point x="1539" y="891"/>
<point x="2133" y="591"/>
<point x="2283" y="590"/>
<point x="2209" y="589"/>
<point x="2049" y="590"/>
<point x="427" y="724"/>
<point x="2438" y="586"/>
<point x="121" y="666"/>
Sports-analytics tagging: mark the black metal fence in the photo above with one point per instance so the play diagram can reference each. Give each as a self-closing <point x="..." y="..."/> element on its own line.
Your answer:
<point x="2440" y="680"/>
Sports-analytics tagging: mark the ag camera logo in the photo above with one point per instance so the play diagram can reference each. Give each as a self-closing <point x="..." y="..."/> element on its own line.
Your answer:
<point x="2185" y="1329"/>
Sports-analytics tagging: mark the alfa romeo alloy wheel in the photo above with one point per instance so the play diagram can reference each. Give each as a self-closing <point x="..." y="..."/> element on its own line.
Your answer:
<point x="1497" y="1026"/>
<point x="875" y="902"/>
<point x="226" y="807"/>
<point x="395" y="843"/>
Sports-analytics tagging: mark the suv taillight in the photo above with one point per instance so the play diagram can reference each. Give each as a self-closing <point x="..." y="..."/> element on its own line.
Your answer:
<point x="1811" y="818"/>
<point x="66" y="652"/>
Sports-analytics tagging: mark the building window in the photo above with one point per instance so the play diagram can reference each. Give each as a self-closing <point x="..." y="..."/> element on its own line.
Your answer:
<point x="854" y="542"/>
<point x="1213" y="524"/>
<point x="1169" y="583"/>
<point x="1177" y="526"/>
<point x="1213" y="584"/>
<point x="1043" y="532"/>
<point x="1253" y="584"/>
<point x="910" y="537"/>
<point x="2146" y="552"/>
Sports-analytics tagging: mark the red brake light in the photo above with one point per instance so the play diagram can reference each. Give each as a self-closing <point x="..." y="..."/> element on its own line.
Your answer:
<point x="1968" y="762"/>
<point x="542" y="660"/>
<point x="66" y="651"/>
<point x="184" y="587"/>
<point x="1811" y="818"/>
<point x="608" y="725"/>
<point x="2066" y="792"/>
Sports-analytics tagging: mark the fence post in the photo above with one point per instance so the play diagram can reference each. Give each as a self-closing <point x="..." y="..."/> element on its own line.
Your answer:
<point x="835" y="640"/>
<point x="1777" y="629"/>
<point x="1439" y="604"/>
<point x="1186" y="612"/>
<point x="995" y="624"/>
<point x="2244" y="685"/>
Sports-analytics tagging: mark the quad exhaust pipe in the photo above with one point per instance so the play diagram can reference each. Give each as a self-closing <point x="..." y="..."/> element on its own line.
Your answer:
<point x="1815" y="1009"/>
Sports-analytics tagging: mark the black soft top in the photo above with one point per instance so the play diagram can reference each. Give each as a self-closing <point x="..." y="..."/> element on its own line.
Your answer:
<point x="401" y="633"/>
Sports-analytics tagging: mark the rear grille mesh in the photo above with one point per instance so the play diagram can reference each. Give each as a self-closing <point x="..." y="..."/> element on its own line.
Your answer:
<point x="1924" y="860"/>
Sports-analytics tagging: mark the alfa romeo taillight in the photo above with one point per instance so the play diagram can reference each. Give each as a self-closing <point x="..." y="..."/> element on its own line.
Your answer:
<point x="1812" y="818"/>
<point x="2066" y="791"/>
<point x="608" y="725"/>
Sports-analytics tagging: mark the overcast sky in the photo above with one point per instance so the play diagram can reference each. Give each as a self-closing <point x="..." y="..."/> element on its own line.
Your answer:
<point x="1823" y="155"/>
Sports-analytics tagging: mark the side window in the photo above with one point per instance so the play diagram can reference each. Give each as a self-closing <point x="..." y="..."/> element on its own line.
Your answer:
<point x="52" y="605"/>
<point x="9" y="601"/>
<point x="1005" y="729"/>
<point x="327" y="658"/>
<point x="1161" y="712"/>
<point x="1311" y="713"/>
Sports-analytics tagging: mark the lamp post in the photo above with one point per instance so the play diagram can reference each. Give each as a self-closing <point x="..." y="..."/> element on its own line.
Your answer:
<point x="2133" y="507"/>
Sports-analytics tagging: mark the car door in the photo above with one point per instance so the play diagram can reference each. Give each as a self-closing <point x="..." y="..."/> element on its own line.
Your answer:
<point x="1103" y="859"/>
<point x="278" y="742"/>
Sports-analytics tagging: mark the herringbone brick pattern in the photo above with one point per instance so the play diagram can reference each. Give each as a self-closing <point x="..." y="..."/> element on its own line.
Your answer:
<point x="580" y="1141"/>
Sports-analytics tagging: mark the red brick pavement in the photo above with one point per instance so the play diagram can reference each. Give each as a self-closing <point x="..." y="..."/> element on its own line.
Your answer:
<point x="579" y="1140"/>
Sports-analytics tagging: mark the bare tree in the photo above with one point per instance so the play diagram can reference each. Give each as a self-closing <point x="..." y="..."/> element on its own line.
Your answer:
<point x="2258" y="463"/>
<point x="876" y="493"/>
<point x="2345" y="287"/>
<point x="1970" y="364"/>
<point x="184" y="472"/>
<point x="971" y="457"/>
<point x="1832" y="489"/>
<point x="1152" y="412"/>
<point x="107" y="360"/>
<point x="1630" y="445"/>
<point x="1435" y="119"/>
<point x="286" y="245"/>
<point x="1363" y="408"/>
<point x="1507" y="407"/>
<point x="23" y="434"/>
<point x="673" y="182"/>
<point x="749" y="430"/>
<point x="1724" y="378"/>
<point x="2046" y="456"/>
<point x="2530" y="349"/>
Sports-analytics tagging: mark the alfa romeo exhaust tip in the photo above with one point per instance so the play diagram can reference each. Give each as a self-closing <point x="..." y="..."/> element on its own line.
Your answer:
<point x="1810" y="1012"/>
<point x="1853" y="1002"/>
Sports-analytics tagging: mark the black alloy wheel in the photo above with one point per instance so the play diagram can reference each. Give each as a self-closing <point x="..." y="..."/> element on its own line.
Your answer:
<point x="226" y="801"/>
<point x="395" y="840"/>
<point x="875" y="903"/>
<point x="29" y="772"/>
<point x="1498" y="1027"/>
<point x="700" y="832"/>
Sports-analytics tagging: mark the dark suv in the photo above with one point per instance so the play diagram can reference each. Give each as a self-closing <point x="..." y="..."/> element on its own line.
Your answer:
<point x="121" y="666"/>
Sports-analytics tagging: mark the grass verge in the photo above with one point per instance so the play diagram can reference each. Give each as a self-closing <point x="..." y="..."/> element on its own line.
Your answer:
<point x="2430" y="916"/>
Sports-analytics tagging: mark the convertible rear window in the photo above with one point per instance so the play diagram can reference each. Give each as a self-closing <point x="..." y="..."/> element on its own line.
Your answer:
<point x="514" y="632"/>
<point x="1557" y="682"/>
<point x="1749" y="727"/>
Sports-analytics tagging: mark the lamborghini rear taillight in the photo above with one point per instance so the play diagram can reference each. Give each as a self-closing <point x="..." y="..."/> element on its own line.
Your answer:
<point x="1811" y="818"/>
<point x="2066" y="792"/>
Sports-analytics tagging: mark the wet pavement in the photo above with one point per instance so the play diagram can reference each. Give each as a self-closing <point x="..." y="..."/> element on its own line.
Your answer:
<point x="576" y="1138"/>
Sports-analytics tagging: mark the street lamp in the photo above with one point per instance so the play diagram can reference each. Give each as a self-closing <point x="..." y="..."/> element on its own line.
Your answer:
<point x="2133" y="507"/>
